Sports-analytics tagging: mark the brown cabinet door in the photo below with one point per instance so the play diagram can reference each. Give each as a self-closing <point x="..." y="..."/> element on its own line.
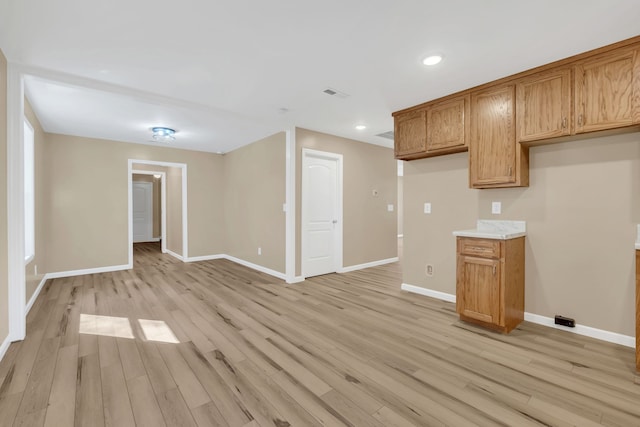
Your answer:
<point x="410" y="133"/>
<point x="606" y="91"/>
<point x="478" y="289"/>
<point x="544" y="106"/>
<point x="448" y="124"/>
<point x="492" y="148"/>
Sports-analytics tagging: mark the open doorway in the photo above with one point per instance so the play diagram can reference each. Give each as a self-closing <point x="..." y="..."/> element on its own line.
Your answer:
<point x="157" y="208"/>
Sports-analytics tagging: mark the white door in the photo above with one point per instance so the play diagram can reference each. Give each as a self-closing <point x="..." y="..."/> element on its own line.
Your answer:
<point x="321" y="213"/>
<point x="142" y="195"/>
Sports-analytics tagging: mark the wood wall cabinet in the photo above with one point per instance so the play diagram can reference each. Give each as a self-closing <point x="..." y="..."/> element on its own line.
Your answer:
<point x="543" y="105"/>
<point x="490" y="282"/>
<point x="448" y="125"/>
<point x="410" y="134"/>
<point x="607" y="90"/>
<point x="495" y="157"/>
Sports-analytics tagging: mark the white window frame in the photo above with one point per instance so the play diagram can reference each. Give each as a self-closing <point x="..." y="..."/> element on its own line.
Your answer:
<point x="28" y="148"/>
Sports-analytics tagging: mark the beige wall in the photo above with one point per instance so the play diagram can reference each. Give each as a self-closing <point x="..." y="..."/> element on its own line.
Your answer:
<point x="174" y="210"/>
<point x="369" y="230"/>
<point x="581" y="209"/>
<point x="87" y="224"/>
<point x="254" y="194"/>
<point x="155" y="203"/>
<point x="32" y="279"/>
<point x="4" y="289"/>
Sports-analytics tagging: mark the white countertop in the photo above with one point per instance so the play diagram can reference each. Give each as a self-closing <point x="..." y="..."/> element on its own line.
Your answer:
<point x="638" y="238"/>
<point x="497" y="229"/>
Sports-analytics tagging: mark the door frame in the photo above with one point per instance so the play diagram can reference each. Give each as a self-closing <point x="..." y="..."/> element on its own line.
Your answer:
<point x="185" y="220"/>
<point x="338" y="158"/>
<point x="163" y="205"/>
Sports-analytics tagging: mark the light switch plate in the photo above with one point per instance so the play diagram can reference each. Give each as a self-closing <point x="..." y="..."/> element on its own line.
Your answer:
<point x="496" y="208"/>
<point x="390" y="208"/>
<point x="427" y="208"/>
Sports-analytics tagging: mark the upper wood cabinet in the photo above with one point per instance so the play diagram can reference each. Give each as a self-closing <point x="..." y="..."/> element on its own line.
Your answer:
<point x="410" y="134"/>
<point x="448" y="125"/>
<point x="543" y="105"/>
<point x="607" y="90"/>
<point x="495" y="158"/>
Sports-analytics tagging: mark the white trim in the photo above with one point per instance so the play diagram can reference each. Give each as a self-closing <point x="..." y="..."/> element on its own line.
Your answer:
<point x="599" y="334"/>
<point x="4" y="347"/>
<point x="290" y="204"/>
<point x="175" y="255"/>
<point x="297" y="279"/>
<point x="257" y="267"/>
<point x="368" y="265"/>
<point x="400" y="236"/>
<point x="71" y="273"/>
<point x="205" y="258"/>
<point x="163" y="191"/>
<point x="15" y="204"/>
<point x="33" y="298"/>
<point x="588" y="331"/>
<point x="307" y="152"/>
<point x="428" y="292"/>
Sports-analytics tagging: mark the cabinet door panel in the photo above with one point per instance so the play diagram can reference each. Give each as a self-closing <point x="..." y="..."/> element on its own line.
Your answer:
<point x="410" y="133"/>
<point x="544" y="106"/>
<point x="448" y="124"/>
<point x="492" y="149"/>
<point x="606" y="93"/>
<point x="478" y="289"/>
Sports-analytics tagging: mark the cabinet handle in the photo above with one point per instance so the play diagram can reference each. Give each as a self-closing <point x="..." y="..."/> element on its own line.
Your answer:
<point x="564" y="123"/>
<point x="494" y="270"/>
<point x="580" y="120"/>
<point x="510" y="170"/>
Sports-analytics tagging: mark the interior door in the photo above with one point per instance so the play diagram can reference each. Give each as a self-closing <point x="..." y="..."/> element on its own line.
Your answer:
<point x="320" y="215"/>
<point x="142" y="193"/>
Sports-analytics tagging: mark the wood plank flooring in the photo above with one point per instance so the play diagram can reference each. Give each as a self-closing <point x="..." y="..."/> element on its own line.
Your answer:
<point x="216" y="344"/>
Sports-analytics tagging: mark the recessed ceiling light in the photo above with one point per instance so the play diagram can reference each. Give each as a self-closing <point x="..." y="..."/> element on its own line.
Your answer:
<point x="361" y="127"/>
<point x="432" y="60"/>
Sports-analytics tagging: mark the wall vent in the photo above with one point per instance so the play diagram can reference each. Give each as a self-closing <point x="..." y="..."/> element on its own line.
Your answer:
<point x="386" y="135"/>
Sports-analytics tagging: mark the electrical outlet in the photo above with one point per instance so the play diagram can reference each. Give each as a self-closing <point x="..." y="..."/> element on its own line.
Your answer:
<point x="390" y="208"/>
<point x="496" y="208"/>
<point x="259" y="251"/>
<point x="427" y="208"/>
<point x="429" y="270"/>
<point x="374" y="193"/>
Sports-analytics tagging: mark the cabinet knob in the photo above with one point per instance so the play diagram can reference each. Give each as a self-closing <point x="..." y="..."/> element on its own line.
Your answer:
<point x="564" y="123"/>
<point x="580" y="120"/>
<point x="494" y="270"/>
<point x="510" y="171"/>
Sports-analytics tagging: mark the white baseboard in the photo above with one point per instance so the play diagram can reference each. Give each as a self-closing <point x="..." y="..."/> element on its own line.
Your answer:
<point x="4" y="347"/>
<point x="587" y="331"/>
<point x="33" y="298"/>
<point x="257" y="267"/>
<point x="367" y="265"/>
<point x="428" y="292"/>
<point x="175" y="255"/>
<point x="296" y="279"/>
<point x="71" y="273"/>
<point x="205" y="258"/>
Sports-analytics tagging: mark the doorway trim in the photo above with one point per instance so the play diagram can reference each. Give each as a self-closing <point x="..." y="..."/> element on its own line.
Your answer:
<point x="185" y="220"/>
<point x="163" y="205"/>
<point x="307" y="153"/>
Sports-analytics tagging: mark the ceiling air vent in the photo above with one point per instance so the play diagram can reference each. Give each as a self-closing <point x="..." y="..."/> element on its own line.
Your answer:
<point x="336" y="93"/>
<point x="386" y="135"/>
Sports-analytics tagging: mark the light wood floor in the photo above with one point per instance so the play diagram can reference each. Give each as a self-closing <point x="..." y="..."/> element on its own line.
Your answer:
<point x="349" y="349"/>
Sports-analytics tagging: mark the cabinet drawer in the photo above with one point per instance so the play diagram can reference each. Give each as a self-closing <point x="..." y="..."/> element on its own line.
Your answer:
<point x="486" y="248"/>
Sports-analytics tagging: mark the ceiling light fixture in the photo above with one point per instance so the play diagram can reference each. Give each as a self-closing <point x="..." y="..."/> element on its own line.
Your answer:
<point x="432" y="60"/>
<point x="361" y="127"/>
<point x="163" y="134"/>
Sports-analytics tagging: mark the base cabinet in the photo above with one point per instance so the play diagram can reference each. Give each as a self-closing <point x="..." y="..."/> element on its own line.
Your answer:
<point x="490" y="282"/>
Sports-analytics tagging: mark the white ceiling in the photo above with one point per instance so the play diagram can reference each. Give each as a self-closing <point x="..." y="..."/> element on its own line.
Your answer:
<point x="220" y="71"/>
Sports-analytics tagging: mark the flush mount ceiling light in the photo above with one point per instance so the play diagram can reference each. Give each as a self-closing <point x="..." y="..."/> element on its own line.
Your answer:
<point x="432" y="60"/>
<point x="163" y="134"/>
<point x="361" y="127"/>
